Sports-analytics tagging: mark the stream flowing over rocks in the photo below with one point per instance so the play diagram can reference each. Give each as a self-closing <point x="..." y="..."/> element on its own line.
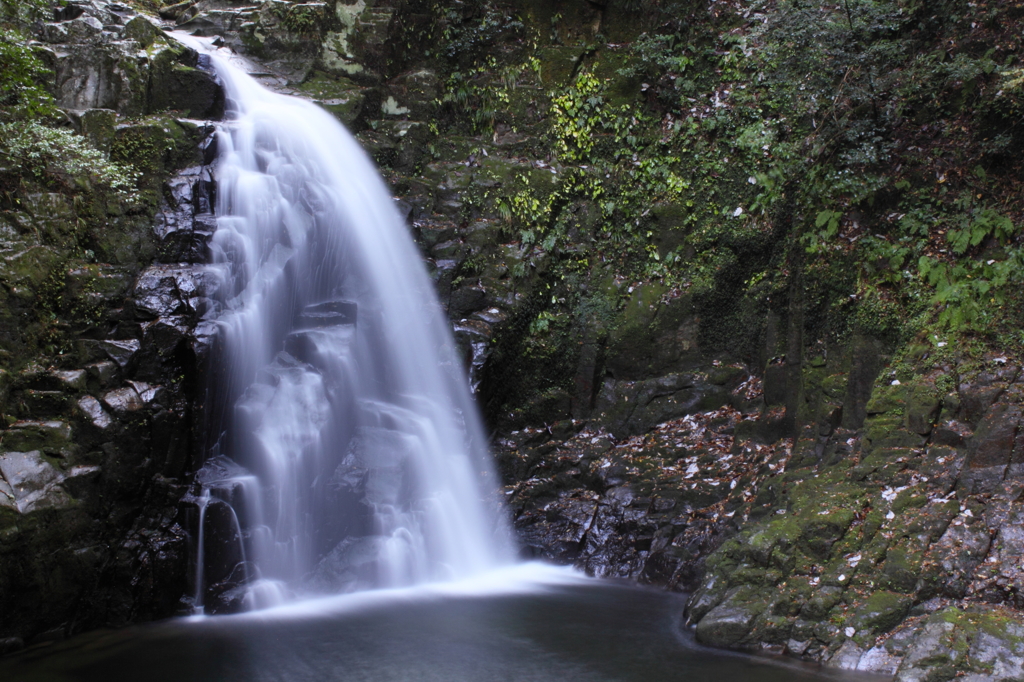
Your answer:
<point x="818" y="494"/>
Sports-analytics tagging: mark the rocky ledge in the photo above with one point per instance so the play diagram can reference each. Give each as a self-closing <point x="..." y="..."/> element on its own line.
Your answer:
<point x="892" y="548"/>
<point x="105" y="309"/>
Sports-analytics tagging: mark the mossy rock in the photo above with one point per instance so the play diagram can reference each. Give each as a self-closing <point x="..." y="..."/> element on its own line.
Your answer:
<point x="888" y="432"/>
<point x="881" y="612"/>
<point x="619" y="90"/>
<point x="141" y="30"/>
<point x="820" y="603"/>
<point x="557" y="64"/>
<point x="888" y="399"/>
<point x="179" y="86"/>
<point x="652" y="338"/>
<point x="340" y="96"/>
<point x="922" y="408"/>
<point x="901" y="569"/>
<point x="729" y="623"/>
<point x="157" y="145"/>
<point x="778" y="535"/>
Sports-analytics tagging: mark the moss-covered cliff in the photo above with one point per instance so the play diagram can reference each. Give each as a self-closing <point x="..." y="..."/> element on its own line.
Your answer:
<point x="100" y="169"/>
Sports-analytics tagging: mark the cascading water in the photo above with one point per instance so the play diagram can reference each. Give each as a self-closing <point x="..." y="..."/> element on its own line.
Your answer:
<point x="352" y="454"/>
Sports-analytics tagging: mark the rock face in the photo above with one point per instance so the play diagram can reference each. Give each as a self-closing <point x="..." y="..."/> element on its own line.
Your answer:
<point x="103" y="337"/>
<point x="730" y="444"/>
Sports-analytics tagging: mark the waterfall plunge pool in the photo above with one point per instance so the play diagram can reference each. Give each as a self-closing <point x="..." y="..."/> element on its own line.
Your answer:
<point x="529" y="623"/>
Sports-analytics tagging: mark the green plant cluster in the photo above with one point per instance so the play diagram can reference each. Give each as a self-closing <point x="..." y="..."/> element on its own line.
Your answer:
<point x="851" y="167"/>
<point x="851" y="126"/>
<point x="479" y="94"/>
<point x="33" y="144"/>
<point x="303" y="19"/>
<point x="468" y="30"/>
<point x="58" y="156"/>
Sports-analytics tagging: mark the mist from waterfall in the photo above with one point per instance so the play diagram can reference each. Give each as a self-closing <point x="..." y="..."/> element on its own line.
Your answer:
<point x="352" y="455"/>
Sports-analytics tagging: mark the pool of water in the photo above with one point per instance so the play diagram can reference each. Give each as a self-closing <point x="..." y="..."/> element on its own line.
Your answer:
<point x="545" y="626"/>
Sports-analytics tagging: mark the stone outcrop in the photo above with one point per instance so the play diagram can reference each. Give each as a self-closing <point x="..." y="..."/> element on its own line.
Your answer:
<point x="103" y="302"/>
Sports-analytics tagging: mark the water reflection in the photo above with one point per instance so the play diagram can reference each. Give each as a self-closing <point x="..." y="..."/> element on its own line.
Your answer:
<point x="571" y="631"/>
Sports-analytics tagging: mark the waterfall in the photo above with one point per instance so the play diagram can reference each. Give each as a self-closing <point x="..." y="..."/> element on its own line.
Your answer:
<point x="352" y="454"/>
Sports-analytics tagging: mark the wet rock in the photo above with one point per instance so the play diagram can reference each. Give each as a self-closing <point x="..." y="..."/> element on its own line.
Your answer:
<point x="94" y="411"/>
<point x="9" y="645"/>
<point x="194" y="91"/>
<point x="171" y="291"/>
<point x="229" y="595"/>
<point x="50" y="436"/>
<point x="73" y="379"/>
<point x="222" y="540"/>
<point x="728" y="624"/>
<point x="123" y="400"/>
<point x="34" y="481"/>
<point x="847" y="657"/>
<point x="121" y="352"/>
<point x="103" y="373"/>
<point x="878" y="660"/>
<point x="629" y="408"/>
<point x="932" y="656"/>
<point x="959" y="551"/>
<point x="991" y="448"/>
<point x="881" y="612"/>
<point x="1000" y="653"/>
<point x="81" y="480"/>
<point x="465" y="301"/>
<point x="350" y="566"/>
<point x="328" y="314"/>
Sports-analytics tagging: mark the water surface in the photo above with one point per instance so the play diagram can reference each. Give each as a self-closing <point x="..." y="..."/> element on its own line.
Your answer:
<point x="564" y="630"/>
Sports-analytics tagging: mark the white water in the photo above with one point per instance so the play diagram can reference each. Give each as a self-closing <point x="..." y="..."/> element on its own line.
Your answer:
<point x="364" y="464"/>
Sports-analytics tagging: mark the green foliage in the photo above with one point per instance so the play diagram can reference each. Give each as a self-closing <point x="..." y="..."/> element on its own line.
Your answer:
<point x="468" y="30"/>
<point x="22" y="12"/>
<point x="303" y="19"/>
<point x="53" y="156"/>
<point x="58" y="157"/>
<point x="656" y="55"/>
<point x="980" y="226"/>
<point x="971" y="293"/>
<point x="481" y="93"/>
<point x="21" y="94"/>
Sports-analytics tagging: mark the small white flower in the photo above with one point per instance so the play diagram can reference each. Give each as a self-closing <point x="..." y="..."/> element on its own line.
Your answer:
<point x="752" y="180"/>
<point x="895" y="382"/>
<point x="942" y="344"/>
<point x="890" y="516"/>
<point x="738" y="212"/>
